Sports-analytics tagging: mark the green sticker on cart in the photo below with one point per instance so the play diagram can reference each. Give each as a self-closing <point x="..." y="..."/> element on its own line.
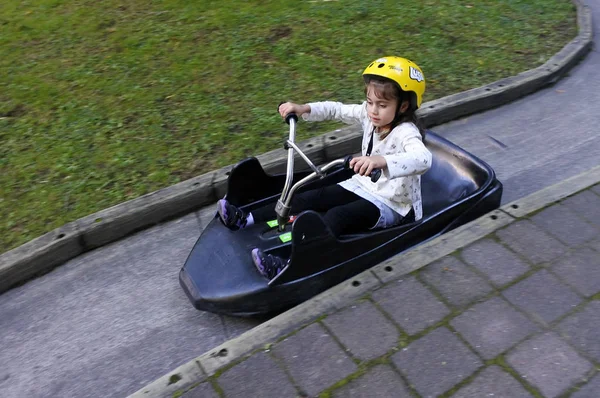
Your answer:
<point x="272" y="223"/>
<point x="286" y="237"/>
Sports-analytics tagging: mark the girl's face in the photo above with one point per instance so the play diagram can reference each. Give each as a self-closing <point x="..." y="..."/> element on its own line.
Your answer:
<point x="380" y="110"/>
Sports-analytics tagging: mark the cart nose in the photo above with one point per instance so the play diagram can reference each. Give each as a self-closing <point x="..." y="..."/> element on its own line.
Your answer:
<point x="189" y="287"/>
<point x="218" y="273"/>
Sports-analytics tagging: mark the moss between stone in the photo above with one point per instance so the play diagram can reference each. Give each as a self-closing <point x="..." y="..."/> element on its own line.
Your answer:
<point x="403" y="336"/>
<point x="463" y="383"/>
<point x="217" y="388"/>
<point x="178" y="393"/>
<point x="501" y="362"/>
<point x="579" y="385"/>
<point x="363" y="368"/>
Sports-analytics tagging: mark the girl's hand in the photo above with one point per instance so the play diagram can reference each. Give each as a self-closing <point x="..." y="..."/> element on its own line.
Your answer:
<point x="364" y="165"/>
<point x="289" y="107"/>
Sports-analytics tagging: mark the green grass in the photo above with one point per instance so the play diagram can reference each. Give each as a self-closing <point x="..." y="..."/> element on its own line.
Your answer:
<point x="103" y="101"/>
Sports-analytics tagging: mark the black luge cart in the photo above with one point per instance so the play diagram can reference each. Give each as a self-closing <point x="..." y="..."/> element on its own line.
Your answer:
<point x="219" y="275"/>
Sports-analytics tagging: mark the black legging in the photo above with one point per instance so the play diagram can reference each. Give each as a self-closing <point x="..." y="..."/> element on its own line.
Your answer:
<point x="345" y="212"/>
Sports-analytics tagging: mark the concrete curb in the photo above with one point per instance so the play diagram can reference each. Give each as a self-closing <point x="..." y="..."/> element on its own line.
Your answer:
<point x="54" y="248"/>
<point x="234" y="350"/>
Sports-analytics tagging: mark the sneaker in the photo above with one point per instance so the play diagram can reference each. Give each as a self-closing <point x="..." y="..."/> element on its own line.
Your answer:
<point x="231" y="216"/>
<point x="268" y="265"/>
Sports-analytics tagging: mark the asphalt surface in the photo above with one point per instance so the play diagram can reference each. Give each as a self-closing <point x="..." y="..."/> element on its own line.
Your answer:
<point x="108" y="322"/>
<point x="112" y="320"/>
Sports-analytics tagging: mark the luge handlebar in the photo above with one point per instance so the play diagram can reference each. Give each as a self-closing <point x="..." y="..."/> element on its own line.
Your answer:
<point x="283" y="204"/>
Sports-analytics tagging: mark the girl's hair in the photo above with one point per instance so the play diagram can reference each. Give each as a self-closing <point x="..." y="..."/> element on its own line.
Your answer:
<point x="389" y="90"/>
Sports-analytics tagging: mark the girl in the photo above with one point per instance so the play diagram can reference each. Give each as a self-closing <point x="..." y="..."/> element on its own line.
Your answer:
<point x="392" y="142"/>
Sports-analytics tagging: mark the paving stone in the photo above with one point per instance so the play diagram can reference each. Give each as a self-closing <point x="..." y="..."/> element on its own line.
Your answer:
<point x="313" y="359"/>
<point x="379" y="381"/>
<point x="493" y="382"/>
<point x="376" y="335"/>
<point x="549" y="364"/>
<point x="543" y="296"/>
<point x="589" y="390"/>
<point x="587" y="205"/>
<point x="495" y="261"/>
<point x="531" y="242"/>
<point x="581" y="269"/>
<point x="493" y="327"/>
<point x="204" y="390"/>
<point x="582" y="329"/>
<point x="455" y="281"/>
<point x="565" y="224"/>
<point x="257" y="376"/>
<point x="411" y="304"/>
<point x="436" y="362"/>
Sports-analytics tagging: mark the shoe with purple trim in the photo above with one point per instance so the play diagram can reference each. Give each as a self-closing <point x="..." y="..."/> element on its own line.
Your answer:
<point x="232" y="217"/>
<point x="268" y="265"/>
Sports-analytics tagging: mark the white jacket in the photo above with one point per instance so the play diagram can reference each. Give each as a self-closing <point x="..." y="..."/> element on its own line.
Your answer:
<point x="407" y="157"/>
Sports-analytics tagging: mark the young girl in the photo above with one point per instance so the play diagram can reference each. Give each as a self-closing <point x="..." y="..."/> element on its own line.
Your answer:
<point x="392" y="141"/>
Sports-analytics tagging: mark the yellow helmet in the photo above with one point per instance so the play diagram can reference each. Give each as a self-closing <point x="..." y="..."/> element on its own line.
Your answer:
<point x="406" y="73"/>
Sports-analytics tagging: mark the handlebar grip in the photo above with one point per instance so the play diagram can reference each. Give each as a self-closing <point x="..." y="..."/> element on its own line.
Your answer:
<point x="289" y="115"/>
<point x="347" y="160"/>
<point x="375" y="173"/>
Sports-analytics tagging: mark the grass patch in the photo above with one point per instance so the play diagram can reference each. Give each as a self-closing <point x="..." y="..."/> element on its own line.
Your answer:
<point x="103" y="101"/>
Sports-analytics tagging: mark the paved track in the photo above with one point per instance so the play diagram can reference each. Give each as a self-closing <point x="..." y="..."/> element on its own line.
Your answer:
<point x="110" y="321"/>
